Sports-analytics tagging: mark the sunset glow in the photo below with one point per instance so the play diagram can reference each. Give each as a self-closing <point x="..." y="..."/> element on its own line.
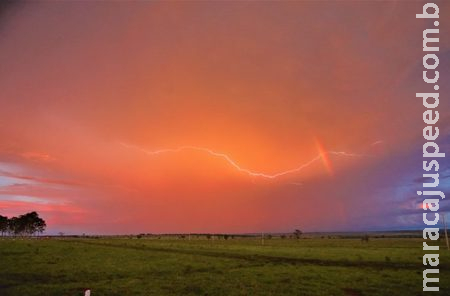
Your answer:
<point x="213" y="117"/>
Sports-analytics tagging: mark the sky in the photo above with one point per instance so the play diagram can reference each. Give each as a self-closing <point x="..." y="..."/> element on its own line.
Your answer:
<point x="238" y="117"/>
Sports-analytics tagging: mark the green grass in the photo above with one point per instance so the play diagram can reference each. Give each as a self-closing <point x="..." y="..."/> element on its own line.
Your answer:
<point x="388" y="266"/>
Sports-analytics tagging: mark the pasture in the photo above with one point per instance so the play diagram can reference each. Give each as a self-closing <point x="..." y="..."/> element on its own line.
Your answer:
<point x="200" y="266"/>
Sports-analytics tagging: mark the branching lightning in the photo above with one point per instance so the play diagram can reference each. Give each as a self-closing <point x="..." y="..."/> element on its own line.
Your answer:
<point x="235" y="165"/>
<point x="342" y="153"/>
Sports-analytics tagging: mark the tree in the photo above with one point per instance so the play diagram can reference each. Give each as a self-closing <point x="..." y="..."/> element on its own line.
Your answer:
<point x="13" y="226"/>
<point x="27" y="224"/>
<point x="3" y="224"/>
<point x="31" y="223"/>
<point x="298" y="233"/>
<point x="40" y="226"/>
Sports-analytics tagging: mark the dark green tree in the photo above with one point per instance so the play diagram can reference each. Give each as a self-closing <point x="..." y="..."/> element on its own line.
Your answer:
<point x="39" y="225"/>
<point x="3" y="224"/>
<point x="26" y="225"/>
<point x="13" y="226"/>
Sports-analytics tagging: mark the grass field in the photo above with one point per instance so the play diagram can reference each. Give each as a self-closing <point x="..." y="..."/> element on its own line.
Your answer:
<point x="170" y="266"/>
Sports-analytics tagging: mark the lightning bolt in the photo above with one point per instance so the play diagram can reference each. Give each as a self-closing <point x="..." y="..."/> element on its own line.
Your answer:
<point x="342" y="153"/>
<point x="377" y="143"/>
<point x="234" y="164"/>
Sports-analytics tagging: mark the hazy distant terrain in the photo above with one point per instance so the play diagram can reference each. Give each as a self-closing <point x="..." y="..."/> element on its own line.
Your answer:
<point x="200" y="266"/>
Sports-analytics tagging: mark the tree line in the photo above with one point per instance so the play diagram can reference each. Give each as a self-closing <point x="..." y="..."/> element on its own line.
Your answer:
<point x="25" y="225"/>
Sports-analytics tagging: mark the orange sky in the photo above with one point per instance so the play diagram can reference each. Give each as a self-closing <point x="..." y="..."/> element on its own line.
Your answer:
<point x="270" y="116"/>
